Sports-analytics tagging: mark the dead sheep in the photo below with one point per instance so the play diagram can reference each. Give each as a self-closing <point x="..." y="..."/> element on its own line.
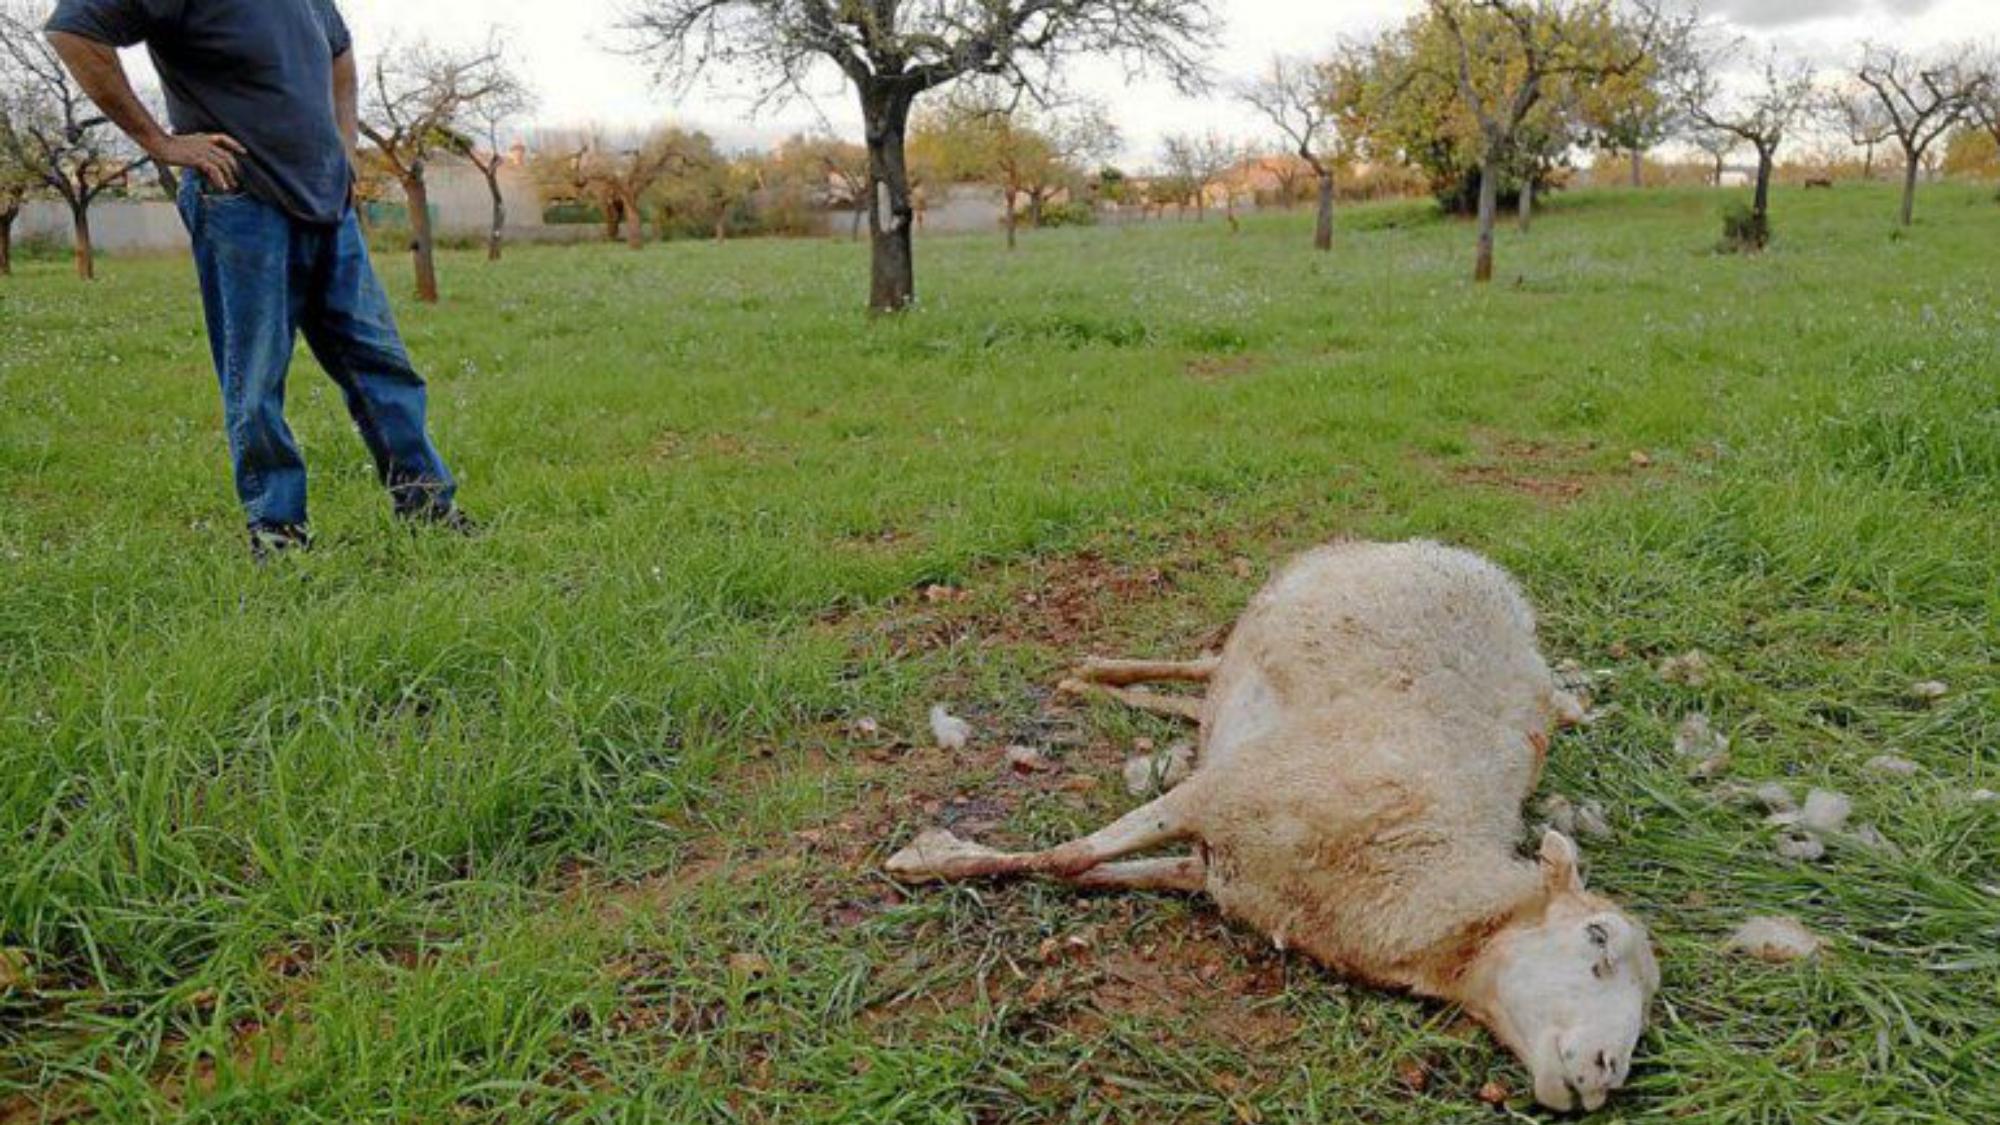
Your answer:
<point x="1368" y="739"/>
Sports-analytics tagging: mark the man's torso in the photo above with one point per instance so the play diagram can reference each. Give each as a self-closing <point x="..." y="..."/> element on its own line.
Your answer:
<point x="260" y="71"/>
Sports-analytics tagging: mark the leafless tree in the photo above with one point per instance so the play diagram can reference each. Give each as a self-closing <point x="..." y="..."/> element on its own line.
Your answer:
<point x="15" y="183"/>
<point x="1986" y="106"/>
<point x="989" y="130"/>
<point x="415" y="98"/>
<point x="1296" y="95"/>
<point x="476" y="136"/>
<point x="1923" y="98"/>
<point x="1202" y="161"/>
<point x="839" y="167"/>
<point x="1510" y="52"/>
<point x="51" y="132"/>
<point x="1859" y="116"/>
<point x="894" y="51"/>
<point x="623" y="174"/>
<point x="1761" y="114"/>
<point x="1716" y="144"/>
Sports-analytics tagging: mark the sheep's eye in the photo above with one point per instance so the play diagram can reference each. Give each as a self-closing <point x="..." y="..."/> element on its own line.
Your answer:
<point x="1599" y="936"/>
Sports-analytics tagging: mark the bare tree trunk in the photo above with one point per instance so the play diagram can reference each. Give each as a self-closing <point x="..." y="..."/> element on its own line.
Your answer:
<point x="1766" y="163"/>
<point x="7" y="241"/>
<point x="1718" y="171"/>
<point x="614" y="219"/>
<point x="635" y="223"/>
<point x="1868" y="163"/>
<point x="1323" y="226"/>
<point x="854" y="232"/>
<point x="892" y="269"/>
<point x="1910" y="169"/>
<point x="423" y="246"/>
<point x="1638" y="167"/>
<point x="1527" y="216"/>
<point x="722" y="225"/>
<point x="499" y="214"/>
<point x="1489" y="207"/>
<point x="1013" y="219"/>
<point x="86" y="254"/>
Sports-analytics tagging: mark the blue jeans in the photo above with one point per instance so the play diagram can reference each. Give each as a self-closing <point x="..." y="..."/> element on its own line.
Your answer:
<point x="265" y="278"/>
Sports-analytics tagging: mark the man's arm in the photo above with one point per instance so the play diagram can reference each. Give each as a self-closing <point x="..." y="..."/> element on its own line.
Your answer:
<point x="97" y="69"/>
<point x="347" y="104"/>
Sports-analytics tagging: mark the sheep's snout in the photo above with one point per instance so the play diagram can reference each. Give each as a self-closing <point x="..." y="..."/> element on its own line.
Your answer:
<point x="1573" y="1074"/>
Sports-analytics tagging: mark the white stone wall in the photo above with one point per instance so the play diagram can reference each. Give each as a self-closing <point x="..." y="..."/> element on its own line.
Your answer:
<point x="116" y="225"/>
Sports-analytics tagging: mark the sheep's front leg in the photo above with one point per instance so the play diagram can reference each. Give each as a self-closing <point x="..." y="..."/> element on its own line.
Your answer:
<point x="938" y="855"/>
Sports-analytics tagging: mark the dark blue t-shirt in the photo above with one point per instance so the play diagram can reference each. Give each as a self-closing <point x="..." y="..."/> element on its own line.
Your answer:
<point x="260" y="71"/>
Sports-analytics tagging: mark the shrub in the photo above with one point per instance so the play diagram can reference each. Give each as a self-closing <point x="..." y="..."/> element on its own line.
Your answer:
<point x="1072" y="214"/>
<point x="1745" y="230"/>
<point x="559" y="214"/>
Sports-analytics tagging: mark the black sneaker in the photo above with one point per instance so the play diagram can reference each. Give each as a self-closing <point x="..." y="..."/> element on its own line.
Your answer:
<point x="452" y="519"/>
<point x="269" y="540"/>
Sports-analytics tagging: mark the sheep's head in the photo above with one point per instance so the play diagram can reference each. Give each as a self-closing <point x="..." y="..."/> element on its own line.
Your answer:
<point x="1569" y="993"/>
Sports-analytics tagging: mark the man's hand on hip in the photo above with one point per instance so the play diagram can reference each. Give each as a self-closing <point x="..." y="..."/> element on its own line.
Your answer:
<point x="212" y="154"/>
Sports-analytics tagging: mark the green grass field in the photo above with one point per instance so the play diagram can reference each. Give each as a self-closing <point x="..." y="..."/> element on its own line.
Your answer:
<point x="579" y="820"/>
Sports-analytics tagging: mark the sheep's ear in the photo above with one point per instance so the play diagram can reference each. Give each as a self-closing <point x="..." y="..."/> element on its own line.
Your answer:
<point x="1560" y="873"/>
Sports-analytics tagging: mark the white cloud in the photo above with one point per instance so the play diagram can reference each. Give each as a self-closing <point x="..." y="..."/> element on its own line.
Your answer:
<point x="1786" y="13"/>
<point x="568" y="51"/>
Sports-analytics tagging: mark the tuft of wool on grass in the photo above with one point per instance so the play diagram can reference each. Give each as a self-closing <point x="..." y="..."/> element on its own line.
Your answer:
<point x="1705" y="748"/>
<point x="1150" y="774"/>
<point x="951" y="732"/>
<point x="1776" y="939"/>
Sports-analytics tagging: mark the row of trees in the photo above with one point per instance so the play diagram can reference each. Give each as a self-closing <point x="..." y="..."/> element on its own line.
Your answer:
<point x="52" y="139"/>
<point x="1488" y="98"/>
<point x="1491" y="97"/>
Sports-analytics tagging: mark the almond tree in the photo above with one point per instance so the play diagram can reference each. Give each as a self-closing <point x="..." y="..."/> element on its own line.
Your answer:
<point x="986" y="132"/>
<point x="476" y="137"/>
<point x="623" y="175"/>
<point x="416" y="96"/>
<point x="1297" y="97"/>
<point x="1985" y="111"/>
<point x="1923" y="100"/>
<point x="1716" y="144"/>
<point x="1630" y="113"/>
<point x="892" y="52"/>
<point x="15" y="183"/>
<point x="1200" y="161"/>
<point x="1860" y="117"/>
<point x="1760" y="114"/>
<point x="51" y="133"/>
<point x="1510" y="53"/>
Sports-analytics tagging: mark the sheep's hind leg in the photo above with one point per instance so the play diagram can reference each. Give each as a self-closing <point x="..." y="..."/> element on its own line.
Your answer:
<point x="938" y="855"/>
<point x="1124" y="673"/>
<point x="1167" y="873"/>
<point x="1171" y="706"/>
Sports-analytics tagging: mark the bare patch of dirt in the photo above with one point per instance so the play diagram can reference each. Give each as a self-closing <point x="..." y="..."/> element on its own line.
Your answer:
<point x="1551" y="489"/>
<point x="1548" y="471"/>
<point x="1221" y="368"/>
<point x="679" y="445"/>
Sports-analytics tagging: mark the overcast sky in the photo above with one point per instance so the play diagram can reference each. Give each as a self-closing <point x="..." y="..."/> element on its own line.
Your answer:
<point x="567" y="50"/>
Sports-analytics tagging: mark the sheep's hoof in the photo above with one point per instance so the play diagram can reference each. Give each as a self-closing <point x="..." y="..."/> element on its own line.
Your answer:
<point x="937" y="854"/>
